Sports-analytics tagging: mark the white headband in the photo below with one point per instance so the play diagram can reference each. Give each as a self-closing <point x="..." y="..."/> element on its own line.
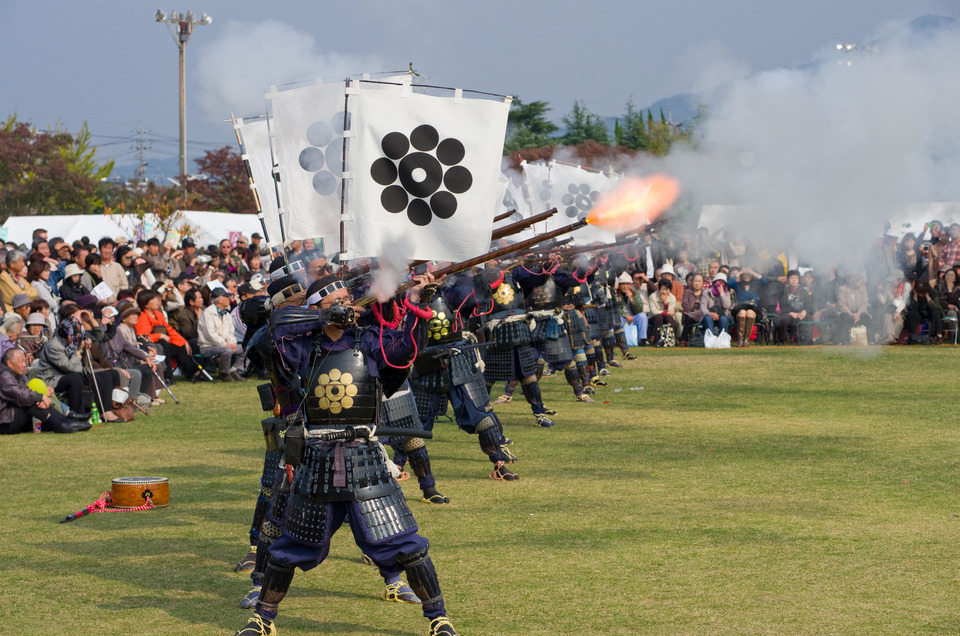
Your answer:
<point x="323" y="292"/>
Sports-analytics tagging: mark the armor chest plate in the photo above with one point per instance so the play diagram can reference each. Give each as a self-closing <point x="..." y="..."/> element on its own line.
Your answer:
<point x="340" y="390"/>
<point x="546" y="296"/>
<point x="444" y="326"/>
<point x="508" y="295"/>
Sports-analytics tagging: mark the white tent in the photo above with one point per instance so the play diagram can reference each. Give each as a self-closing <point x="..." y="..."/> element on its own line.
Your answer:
<point x="205" y="227"/>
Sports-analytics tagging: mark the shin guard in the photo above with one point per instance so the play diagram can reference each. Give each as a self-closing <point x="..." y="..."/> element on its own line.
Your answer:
<point x="531" y="391"/>
<point x="573" y="379"/>
<point x="490" y="436"/>
<point x="276" y="582"/>
<point x="422" y="577"/>
<point x="416" y="451"/>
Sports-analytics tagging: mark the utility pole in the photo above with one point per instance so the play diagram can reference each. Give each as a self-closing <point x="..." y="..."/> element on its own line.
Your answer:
<point x="181" y="28"/>
<point x="141" y="145"/>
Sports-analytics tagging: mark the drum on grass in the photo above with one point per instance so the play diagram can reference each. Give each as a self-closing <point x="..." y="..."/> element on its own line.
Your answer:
<point x="132" y="492"/>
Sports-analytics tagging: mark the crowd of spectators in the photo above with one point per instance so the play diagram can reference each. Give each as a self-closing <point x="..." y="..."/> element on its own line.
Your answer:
<point x="114" y="320"/>
<point x="906" y="292"/>
<point x="111" y="322"/>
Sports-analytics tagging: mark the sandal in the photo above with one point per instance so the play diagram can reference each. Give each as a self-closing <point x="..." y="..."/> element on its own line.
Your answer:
<point x="502" y="473"/>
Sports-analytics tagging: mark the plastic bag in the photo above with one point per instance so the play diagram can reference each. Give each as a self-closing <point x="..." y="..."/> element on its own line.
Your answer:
<point x="711" y="341"/>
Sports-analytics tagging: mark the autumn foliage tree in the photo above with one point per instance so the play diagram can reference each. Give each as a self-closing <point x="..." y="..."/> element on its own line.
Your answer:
<point x="224" y="186"/>
<point x="48" y="171"/>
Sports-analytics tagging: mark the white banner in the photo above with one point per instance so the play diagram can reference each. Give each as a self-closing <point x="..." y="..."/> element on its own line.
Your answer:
<point x="309" y="150"/>
<point x="256" y="147"/>
<point x="425" y="173"/>
<point x="573" y="191"/>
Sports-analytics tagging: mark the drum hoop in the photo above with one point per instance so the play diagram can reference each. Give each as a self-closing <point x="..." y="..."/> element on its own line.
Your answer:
<point x="140" y="480"/>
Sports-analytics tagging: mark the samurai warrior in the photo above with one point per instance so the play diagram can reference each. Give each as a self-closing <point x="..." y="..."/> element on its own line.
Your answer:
<point x="449" y="368"/>
<point x="343" y="373"/>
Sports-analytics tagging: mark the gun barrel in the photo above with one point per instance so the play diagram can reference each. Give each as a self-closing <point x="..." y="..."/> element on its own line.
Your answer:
<point x="519" y="226"/>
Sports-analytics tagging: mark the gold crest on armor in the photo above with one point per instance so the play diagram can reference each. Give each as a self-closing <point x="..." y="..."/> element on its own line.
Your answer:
<point x="438" y="326"/>
<point x="503" y="295"/>
<point x="335" y="391"/>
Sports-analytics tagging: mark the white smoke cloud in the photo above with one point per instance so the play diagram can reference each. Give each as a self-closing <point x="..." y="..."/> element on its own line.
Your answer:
<point x="235" y="70"/>
<point x="827" y="153"/>
<point x="709" y="65"/>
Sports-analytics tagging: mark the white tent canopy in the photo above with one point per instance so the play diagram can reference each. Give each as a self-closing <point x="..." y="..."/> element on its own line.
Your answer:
<point x="205" y="227"/>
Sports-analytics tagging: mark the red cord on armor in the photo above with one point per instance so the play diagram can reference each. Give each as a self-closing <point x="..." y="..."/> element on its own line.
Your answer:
<point x="636" y="255"/>
<point x="496" y="283"/>
<point x="424" y="314"/>
<point x="398" y="312"/>
<point x="413" y="339"/>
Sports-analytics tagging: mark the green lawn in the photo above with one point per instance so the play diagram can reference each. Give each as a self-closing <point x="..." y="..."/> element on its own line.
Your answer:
<point x="766" y="491"/>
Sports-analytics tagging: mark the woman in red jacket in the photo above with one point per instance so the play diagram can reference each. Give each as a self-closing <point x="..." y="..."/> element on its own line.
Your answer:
<point x="153" y="325"/>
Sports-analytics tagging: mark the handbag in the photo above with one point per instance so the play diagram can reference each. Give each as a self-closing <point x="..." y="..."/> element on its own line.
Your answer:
<point x="665" y="336"/>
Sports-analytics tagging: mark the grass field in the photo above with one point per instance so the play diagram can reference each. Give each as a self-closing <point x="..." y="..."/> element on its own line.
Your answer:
<point x="767" y="491"/>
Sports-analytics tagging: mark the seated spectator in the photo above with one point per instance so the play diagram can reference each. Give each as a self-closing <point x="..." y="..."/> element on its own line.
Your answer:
<point x="91" y="274"/>
<point x="13" y="279"/>
<point x="35" y="336"/>
<point x="853" y="305"/>
<point x="19" y="404"/>
<point x="923" y="308"/>
<point x="948" y="294"/>
<point x="216" y="335"/>
<point x="715" y="305"/>
<point x="38" y="275"/>
<point x="692" y="315"/>
<point x="683" y="266"/>
<point x="154" y="326"/>
<point x="664" y="310"/>
<point x="746" y="285"/>
<point x="21" y="305"/>
<point x="630" y="306"/>
<point x="189" y="316"/>
<point x="10" y="330"/>
<point x="61" y="365"/>
<point x="793" y="306"/>
<point x="70" y="288"/>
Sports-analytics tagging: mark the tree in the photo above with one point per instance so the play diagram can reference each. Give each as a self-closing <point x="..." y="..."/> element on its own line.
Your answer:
<point x="634" y="134"/>
<point x="225" y="187"/>
<point x="48" y="172"/>
<point x="154" y="207"/>
<point x="528" y="126"/>
<point x="582" y="125"/>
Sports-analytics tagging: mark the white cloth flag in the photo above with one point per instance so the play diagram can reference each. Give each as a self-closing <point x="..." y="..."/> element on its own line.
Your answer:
<point x="256" y="148"/>
<point x="574" y="191"/>
<point x="425" y="173"/>
<point x="511" y="198"/>
<point x="309" y="151"/>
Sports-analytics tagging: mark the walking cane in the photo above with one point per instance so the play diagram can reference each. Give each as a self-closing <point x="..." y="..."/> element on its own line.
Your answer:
<point x="164" y="385"/>
<point x="96" y="387"/>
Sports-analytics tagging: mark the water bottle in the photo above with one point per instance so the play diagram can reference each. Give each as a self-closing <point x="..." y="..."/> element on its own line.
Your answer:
<point x="95" y="419"/>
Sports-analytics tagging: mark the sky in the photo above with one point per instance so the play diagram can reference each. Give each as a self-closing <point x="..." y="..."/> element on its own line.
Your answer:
<point x="110" y="64"/>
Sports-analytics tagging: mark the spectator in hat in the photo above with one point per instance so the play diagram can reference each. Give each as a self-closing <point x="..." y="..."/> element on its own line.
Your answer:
<point x="123" y="351"/>
<point x="715" y="305"/>
<point x="153" y="325"/>
<point x="20" y="405"/>
<point x="13" y="280"/>
<point x="34" y="336"/>
<point x="663" y="310"/>
<point x="21" y="305"/>
<point x="112" y="272"/>
<point x="71" y="289"/>
<point x="216" y="334"/>
<point x="38" y="275"/>
<point x="188" y="256"/>
<point x="630" y="307"/>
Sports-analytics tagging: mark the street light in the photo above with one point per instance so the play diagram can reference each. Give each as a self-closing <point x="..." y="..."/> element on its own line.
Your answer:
<point x="181" y="28"/>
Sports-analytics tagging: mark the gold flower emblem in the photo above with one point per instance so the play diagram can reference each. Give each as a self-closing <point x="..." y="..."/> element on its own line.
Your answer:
<point x="438" y="326"/>
<point x="503" y="295"/>
<point x="335" y="391"/>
